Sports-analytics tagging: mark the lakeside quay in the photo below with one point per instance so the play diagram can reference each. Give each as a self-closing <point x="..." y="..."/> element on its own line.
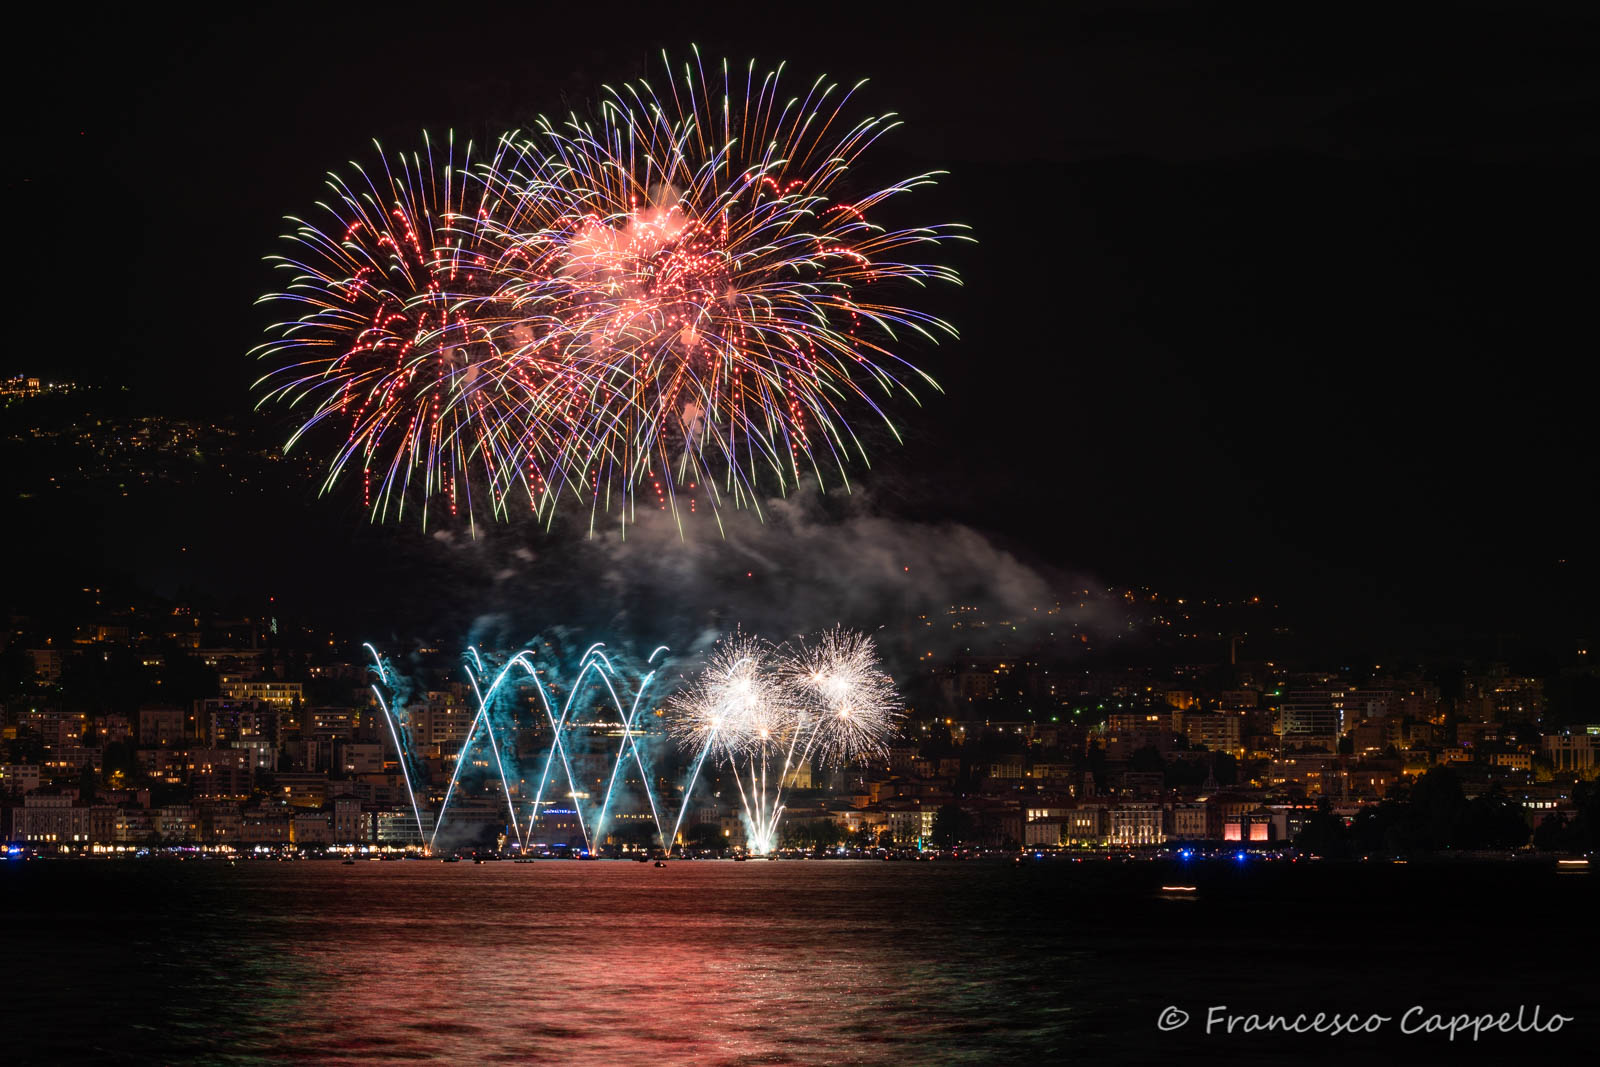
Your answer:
<point x="1189" y="856"/>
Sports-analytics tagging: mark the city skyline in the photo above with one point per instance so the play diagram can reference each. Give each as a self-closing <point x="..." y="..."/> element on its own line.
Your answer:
<point x="1095" y="500"/>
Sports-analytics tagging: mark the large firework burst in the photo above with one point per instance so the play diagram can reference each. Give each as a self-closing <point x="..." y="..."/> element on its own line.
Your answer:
<point x="734" y="706"/>
<point x="683" y="297"/>
<point x="388" y="282"/>
<point x="844" y="699"/>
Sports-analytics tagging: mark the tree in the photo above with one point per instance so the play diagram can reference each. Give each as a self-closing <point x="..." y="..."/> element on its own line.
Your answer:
<point x="118" y="758"/>
<point x="1437" y="809"/>
<point x="88" y="783"/>
<point x="1585" y="830"/>
<point x="1094" y="759"/>
<point x="1435" y="814"/>
<point x="636" y="835"/>
<point x="16" y="671"/>
<point x="1525" y="733"/>
<point x="951" y="824"/>
<point x="866" y="837"/>
<point x="185" y="678"/>
<point x="815" y="833"/>
<point x="1147" y="758"/>
<point x="1225" y="769"/>
<point x="1185" y="774"/>
<point x="1552" y="833"/>
<point x="1493" y="821"/>
<point x="1324" y="834"/>
<point x="704" y="835"/>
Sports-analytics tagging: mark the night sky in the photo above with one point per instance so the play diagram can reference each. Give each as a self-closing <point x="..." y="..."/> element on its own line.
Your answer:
<point x="1263" y="301"/>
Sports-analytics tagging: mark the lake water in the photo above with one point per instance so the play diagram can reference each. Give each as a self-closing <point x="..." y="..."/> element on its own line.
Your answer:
<point x="775" y="963"/>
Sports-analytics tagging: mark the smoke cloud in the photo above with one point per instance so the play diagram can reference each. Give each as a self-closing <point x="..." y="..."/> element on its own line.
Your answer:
<point x="810" y="562"/>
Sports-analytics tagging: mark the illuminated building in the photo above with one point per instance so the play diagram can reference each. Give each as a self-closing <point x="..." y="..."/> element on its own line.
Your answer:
<point x="440" y="723"/>
<point x="261" y="752"/>
<point x="161" y="726"/>
<point x="46" y="665"/>
<point x="219" y="823"/>
<point x="220" y="774"/>
<point x="1570" y="751"/>
<point x="1313" y="717"/>
<point x="302" y="789"/>
<point x="282" y="695"/>
<point x="1192" y="822"/>
<point x="1084" y="825"/>
<point x="264" y="826"/>
<point x="1501" y="698"/>
<point x="351" y="825"/>
<point x="332" y="722"/>
<point x="359" y="757"/>
<point x="1248" y="826"/>
<point x="174" y="822"/>
<point x="1136" y="824"/>
<point x="131" y="826"/>
<point x="222" y="720"/>
<point x="399" y="828"/>
<point x="908" y="824"/>
<point x="18" y="777"/>
<point x="1219" y="732"/>
<point x="1045" y="827"/>
<point x="47" y="819"/>
<point x="311" y="828"/>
